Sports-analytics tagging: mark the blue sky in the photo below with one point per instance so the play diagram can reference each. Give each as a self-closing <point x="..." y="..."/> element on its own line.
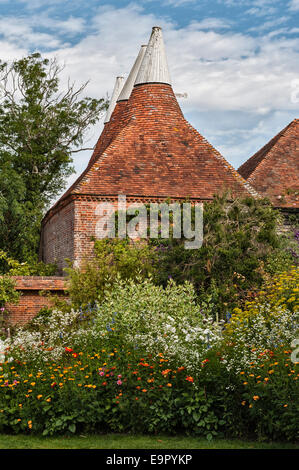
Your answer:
<point x="237" y="60"/>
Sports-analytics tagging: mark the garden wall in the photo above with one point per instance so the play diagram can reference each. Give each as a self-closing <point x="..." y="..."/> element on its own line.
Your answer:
<point x="34" y="296"/>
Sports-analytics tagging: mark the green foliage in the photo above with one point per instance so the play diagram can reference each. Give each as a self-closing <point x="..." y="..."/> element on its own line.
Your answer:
<point x="40" y="127"/>
<point x="7" y="291"/>
<point x="113" y="259"/>
<point x="10" y="267"/>
<point x="115" y="370"/>
<point x="238" y="237"/>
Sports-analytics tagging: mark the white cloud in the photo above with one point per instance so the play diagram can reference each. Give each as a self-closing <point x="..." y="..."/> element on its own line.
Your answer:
<point x="294" y="5"/>
<point x="178" y="3"/>
<point x="69" y="26"/>
<point x="224" y="73"/>
<point x="18" y="31"/>
<point x="212" y="24"/>
<point x="34" y="4"/>
<point x="271" y="24"/>
<point x="10" y="51"/>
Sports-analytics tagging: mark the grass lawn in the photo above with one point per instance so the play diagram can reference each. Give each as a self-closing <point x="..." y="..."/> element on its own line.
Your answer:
<point x="127" y="441"/>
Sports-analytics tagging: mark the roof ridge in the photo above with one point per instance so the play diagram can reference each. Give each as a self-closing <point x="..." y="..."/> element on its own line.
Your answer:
<point x="268" y="155"/>
<point x="265" y="151"/>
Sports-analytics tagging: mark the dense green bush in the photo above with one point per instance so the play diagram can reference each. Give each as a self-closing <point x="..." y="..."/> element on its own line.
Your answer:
<point x="241" y="243"/>
<point x="113" y="258"/>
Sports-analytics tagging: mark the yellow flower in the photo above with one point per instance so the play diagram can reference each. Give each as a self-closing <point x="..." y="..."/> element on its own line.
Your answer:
<point x="48" y="399"/>
<point x="39" y="396"/>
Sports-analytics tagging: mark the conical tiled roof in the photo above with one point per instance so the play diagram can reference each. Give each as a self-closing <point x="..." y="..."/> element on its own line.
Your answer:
<point x="274" y="170"/>
<point x="155" y="152"/>
<point x="118" y="103"/>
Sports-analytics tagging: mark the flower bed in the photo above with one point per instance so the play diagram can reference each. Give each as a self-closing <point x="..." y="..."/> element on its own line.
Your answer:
<point x="148" y="360"/>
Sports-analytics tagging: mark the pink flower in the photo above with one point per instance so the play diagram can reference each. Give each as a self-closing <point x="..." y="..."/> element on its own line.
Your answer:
<point x="102" y="373"/>
<point x="119" y="382"/>
<point x="119" y="376"/>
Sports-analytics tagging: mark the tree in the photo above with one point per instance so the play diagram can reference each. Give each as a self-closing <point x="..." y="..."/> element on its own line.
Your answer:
<point x="40" y="127"/>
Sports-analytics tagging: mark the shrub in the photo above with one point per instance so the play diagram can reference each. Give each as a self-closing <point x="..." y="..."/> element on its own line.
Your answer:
<point x="154" y="319"/>
<point x="239" y="238"/>
<point x="113" y="258"/>
<point x="13" y="267"/>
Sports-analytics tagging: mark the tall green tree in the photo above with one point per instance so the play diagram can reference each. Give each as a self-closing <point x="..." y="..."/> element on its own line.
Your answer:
<point x="41" y="126"/>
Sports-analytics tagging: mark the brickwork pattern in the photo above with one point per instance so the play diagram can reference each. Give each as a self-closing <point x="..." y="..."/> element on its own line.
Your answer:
<point x="274" y="170"/>
<point x="31" y="302"/>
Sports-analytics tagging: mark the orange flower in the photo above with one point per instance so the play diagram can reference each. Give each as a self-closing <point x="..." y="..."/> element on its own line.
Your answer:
<point x="144" y="390"/>
<point x="104" y="383"/>
<point x="190" y="379"/>
<point x="180" y="369"/>
<point x="256" y="397"/>
<point x="165" y="372"/>
<point x="169" y="385"/>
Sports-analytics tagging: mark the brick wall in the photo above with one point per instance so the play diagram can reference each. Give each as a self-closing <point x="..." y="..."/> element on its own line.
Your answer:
<point x="31" y="301"/>
<point x="57" y="240"/>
